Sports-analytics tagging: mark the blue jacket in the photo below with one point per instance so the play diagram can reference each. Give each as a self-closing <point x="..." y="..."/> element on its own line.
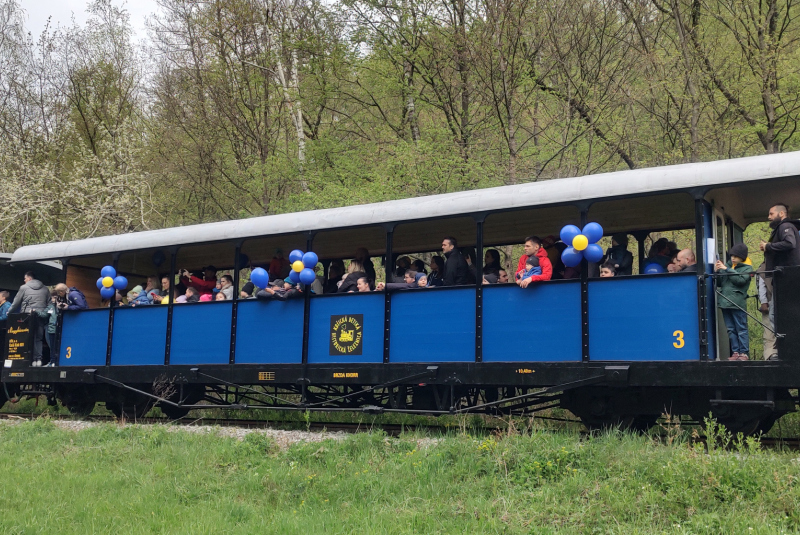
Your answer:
<point x="76" y="300"/>
<point x="4" y="310"/>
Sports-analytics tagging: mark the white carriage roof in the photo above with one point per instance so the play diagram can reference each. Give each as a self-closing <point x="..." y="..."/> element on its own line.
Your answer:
<point x="556" y="191"/>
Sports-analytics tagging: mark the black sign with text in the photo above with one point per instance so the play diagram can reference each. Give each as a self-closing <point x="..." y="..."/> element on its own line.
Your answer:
<point x="19" y="337"/>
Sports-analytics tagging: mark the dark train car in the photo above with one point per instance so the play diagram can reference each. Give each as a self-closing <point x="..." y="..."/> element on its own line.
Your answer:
<point x="618" y="351"/>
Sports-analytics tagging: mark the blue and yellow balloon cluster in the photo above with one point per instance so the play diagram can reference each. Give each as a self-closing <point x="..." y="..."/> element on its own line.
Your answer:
<point x="109" y="282"/>
<point x="303" y="265"/>
<point x="582" y="244"/>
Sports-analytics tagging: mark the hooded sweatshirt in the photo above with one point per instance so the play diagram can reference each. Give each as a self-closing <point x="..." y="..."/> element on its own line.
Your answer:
<point x="544" y="263"/>
<point x="32" y="296"/>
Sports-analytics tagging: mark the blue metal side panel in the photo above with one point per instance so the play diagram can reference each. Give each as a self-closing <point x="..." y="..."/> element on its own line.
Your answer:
<point x="433" y="326"/>
<point x="269" y="332"/>
<point x="642" y="319"/>
<point x="84" y="338"/>
<point x="539" y="323"/>
<point x="140" y="336"/>
<point x="319" y="330"/>
<point x="201" y="333"/>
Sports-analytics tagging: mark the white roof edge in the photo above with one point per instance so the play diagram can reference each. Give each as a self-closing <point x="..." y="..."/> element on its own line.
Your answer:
<point x="554" y="191"/>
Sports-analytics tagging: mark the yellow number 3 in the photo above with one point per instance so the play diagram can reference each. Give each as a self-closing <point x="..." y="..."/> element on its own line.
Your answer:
<point x="69" y="352"/>
<point x="679" y="341"/>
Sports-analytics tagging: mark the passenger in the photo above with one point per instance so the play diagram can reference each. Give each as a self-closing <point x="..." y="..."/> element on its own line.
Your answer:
<point x="5" y="304"/>
<point x="764" y="291"/>
<point x="221" y="297"/>
<point x="783" y="248"/>
<point x="619" y="255"/>
<point x="419" y="266"/>
<point x="422" y="280"/>
<point x="279" y="267"/>
<point x="335" y="273"/>
<point x="192" y="295"/>
<point x="49" y="316"/>
<point x="686" y="261"/>
<point x="673" y="266"/>
<point x="491" y="262"/>
<point x="533" y="247"/>
<point x="217" y="288"/>
<point x="137" y="297"/>
<point x="317" y="286"/>
<point x="163" y="297"/>
<point x="409" y="281"/>
<point x="673" y="248"/>
<point x="279" y="289"/>
<point x="362" y="257"/>
<point x="436" y="276"/>
<point x="165" y="300"/>
<point x="181" y="299"/>
<point x="227" y="287"/>
<point x="31" y="297"/>
<point x="74" y="297"/>
<point x="551" y="245"/>
<point x="490" y="278"/>
<point x="502" y="276"/>
<point x="247" y="291"/>
<point x="206" y="298"/>
<point x="363" y="284"/>
<point x="469" y="257"/>
<point x="153" y="288"/>
<point x="456" y="270"/>
<point x="659" y="254"/>
<point x="205" y="285"/>
<point x="608" y="270"/>
<point x="532" y="268"/>
<point x="732" y="285"/>
<point x="403" y="264"/>
<point x="350" y="281"/>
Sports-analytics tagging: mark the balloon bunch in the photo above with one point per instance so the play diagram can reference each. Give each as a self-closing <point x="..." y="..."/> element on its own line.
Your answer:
<point x="109" y="282"/>
<point x="582" y="244"/>
<point x="303" y="265"/>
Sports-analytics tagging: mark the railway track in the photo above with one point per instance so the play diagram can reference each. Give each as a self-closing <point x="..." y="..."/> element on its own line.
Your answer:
<point x="343" y="427"/>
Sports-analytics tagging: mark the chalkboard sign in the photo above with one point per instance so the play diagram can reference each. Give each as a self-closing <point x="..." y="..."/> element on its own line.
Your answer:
<point x="19" y="337"/>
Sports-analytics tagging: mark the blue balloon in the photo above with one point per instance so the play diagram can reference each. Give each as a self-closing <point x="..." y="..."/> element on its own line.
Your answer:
<point x="259" y="277"/>
<point x="295" y="255"/>
<point x="310" y="260"/>
<point x="568" y="234"/>
<point x="107" y="293"/>
<point x="108" y="271"/>
<point x="594" y="232"/>
<point x="120" y="282"/>
<point x="307" y="276"/>
<point x="652" y="269"/>
<point x="571" y="257"/>
<point x="593" y="253"/>
<point x="294" y="277"/>
<point x="100" y="283"/>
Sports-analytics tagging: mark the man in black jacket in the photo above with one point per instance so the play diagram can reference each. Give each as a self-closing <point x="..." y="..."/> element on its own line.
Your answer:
<point x="783" y="248"/>
<point x="456" y="270"/>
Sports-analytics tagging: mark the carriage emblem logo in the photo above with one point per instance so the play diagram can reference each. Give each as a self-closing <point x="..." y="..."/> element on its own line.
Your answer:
<point x="347" y="333"/>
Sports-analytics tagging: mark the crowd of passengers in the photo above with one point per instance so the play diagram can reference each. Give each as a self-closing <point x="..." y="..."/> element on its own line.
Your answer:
<point x="456" y="266"/>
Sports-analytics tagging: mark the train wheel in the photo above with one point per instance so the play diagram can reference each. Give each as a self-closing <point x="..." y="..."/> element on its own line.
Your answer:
<point x="191" y="398"/>
<point x="77" y="401"/>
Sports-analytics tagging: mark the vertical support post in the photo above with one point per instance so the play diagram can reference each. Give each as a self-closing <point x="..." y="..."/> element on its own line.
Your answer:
<point x="640" y="244"/>
<point x="60" y="321"/>
<point x="237" y="253"/>
<point x="112" y="304"/>
<point x="307" y="305"/>
<point x="702" y="297"/>
<point x="584" y="295"/>
<point x="479" y="291"/>
<point x="387" y="307"/>
<point x="173" y="267"/>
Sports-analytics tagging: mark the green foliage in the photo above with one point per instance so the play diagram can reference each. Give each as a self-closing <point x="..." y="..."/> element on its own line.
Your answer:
<point x="147" y="479"/>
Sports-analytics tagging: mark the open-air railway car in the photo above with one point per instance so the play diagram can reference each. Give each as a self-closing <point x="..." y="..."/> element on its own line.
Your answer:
<point x="613" y="351"/>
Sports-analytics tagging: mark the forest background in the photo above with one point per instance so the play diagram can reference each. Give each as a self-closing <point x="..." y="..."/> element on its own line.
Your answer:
<point x="239" y="108"/>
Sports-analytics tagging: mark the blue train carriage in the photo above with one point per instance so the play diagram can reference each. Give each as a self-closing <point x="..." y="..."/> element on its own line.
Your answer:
<point x="615" y="351"/>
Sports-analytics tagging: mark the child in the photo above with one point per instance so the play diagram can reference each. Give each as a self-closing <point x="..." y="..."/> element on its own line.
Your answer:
<point x="531" y="268"/>
<point x="732" y="285"/>
<point x="608" y="270"/>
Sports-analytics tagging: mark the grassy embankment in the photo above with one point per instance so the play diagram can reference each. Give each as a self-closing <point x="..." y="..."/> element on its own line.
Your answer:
<point x="148" y="480"/>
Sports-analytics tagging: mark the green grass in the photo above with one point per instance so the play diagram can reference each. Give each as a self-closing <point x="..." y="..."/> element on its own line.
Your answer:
<point x="111" y="479"/>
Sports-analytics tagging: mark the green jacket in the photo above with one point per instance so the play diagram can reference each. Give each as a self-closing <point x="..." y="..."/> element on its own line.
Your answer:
<point x="51" y="315"/>
<point x="733" y="284"/>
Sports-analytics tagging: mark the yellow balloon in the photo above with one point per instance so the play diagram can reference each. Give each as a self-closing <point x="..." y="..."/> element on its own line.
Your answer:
<point x="580" y="242"/>
<point x="298" y="266"/>
<point x="108" y="282"/>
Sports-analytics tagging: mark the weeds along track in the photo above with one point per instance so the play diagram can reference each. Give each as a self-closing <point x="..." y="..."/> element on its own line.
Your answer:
<point x="394" y="430"/>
